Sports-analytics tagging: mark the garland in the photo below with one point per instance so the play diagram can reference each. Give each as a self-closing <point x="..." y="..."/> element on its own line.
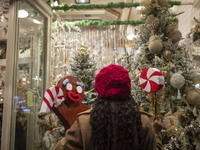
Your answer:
<point x="102" y="23"/>
<point x="172" y="3"/>
<point x="121" y="5"/>
<point x="173" y="20"/>
<point x="110" y="5"/>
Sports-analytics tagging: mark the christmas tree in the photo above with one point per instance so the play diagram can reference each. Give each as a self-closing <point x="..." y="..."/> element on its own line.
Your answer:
<point x="178" y="102"/>
<point x="83" y="67"/>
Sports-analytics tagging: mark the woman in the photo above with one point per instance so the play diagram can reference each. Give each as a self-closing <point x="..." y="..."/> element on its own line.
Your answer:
<point x="115" y="122"/>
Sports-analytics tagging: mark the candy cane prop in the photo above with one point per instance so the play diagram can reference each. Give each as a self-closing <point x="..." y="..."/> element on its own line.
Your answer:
<point x="52" y="96"/>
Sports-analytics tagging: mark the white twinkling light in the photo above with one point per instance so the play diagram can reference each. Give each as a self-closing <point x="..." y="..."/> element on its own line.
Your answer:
<point x="197" y="86"/>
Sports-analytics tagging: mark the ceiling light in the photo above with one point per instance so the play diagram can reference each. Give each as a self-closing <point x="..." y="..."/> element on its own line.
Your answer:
<point x="82" y="1"/>
<point x="22" y="13"/>
<point x="37" y="21"/>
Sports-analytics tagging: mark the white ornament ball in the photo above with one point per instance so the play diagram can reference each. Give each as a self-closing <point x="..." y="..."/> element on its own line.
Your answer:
<point x="193" y="97"/>
<point x="177" y="80"/>
<point x="155" y="46"/>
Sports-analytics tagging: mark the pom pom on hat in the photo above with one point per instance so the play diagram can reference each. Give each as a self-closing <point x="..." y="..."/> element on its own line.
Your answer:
<point x="113" y="81"/>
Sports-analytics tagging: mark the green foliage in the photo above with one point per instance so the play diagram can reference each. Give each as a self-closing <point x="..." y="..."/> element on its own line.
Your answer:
<point x="83" y="68"/>
<point x="102" y="23"/>
<point x="174" y="3"/>
<point x="119" y="5"/>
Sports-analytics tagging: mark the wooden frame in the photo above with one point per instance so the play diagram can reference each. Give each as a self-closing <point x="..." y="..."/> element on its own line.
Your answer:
<point x="7" y="133"/>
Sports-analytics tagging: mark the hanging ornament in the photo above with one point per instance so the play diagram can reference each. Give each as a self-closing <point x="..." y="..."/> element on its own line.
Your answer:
<point x="171" y="28"/>
<point x="155" y="45"/>
<point x="151" y="80"/>
<point x="149" y="19"/>
<point x="175" y="36"/>
<point x="177" y="81"/>
<point x="193" y="97"/>
<point x="168" y="55"/>
<point x="195" y="76"/>
<point x="153" y="21"/>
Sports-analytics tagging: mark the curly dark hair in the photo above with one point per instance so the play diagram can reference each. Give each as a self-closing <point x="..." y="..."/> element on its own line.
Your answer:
<point x="116" y="124"/>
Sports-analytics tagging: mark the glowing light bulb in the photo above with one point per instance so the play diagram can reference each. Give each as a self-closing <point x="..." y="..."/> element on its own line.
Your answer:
<point x="22" y="13"/>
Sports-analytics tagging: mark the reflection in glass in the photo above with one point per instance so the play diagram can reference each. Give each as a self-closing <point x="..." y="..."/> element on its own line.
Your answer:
<point x="29" y="76"/>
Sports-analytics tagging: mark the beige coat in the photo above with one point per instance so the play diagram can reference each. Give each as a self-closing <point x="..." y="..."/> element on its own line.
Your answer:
<point x="78" y="137"/>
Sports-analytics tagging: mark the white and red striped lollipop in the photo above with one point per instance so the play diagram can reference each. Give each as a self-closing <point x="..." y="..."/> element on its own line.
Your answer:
<point x="151" y="80"/>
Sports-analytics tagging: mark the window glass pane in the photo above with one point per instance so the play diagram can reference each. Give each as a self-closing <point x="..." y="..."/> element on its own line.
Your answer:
<point x="29" y="77"/>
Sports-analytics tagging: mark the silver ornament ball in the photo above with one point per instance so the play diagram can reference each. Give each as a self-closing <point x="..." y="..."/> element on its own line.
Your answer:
<point x="177" y="80"/>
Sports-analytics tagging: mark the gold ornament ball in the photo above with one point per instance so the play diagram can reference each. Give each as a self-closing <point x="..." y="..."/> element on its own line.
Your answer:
<point x="150" y="19"/>
<point x="175" y="36"/>
<point x="193" y="97"/>
<point x="168" y="54"/>
<point x="155" y="46"/>
<point x="171" y="28"/>
<point x="153" y="21"/>
<point x="195" y="76"/>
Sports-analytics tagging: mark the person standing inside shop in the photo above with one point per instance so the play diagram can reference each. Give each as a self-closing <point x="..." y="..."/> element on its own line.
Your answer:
<point x="115" y="122"/>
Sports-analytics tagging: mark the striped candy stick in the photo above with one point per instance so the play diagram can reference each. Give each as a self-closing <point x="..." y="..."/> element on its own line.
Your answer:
<point x="52" y="96"/>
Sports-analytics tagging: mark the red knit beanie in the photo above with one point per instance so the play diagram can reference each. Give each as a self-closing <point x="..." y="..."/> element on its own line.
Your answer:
<point x="113" y="81"/>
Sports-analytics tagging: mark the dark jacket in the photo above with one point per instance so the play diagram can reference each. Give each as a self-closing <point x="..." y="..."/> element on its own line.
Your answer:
<point x="78" y="137"/>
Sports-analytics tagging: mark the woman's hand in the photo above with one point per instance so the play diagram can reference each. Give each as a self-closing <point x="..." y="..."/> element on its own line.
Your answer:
<point x="157" y="126"/>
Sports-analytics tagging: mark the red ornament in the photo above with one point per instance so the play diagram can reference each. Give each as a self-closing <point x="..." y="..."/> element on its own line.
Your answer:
<point x="151" y="80"/>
